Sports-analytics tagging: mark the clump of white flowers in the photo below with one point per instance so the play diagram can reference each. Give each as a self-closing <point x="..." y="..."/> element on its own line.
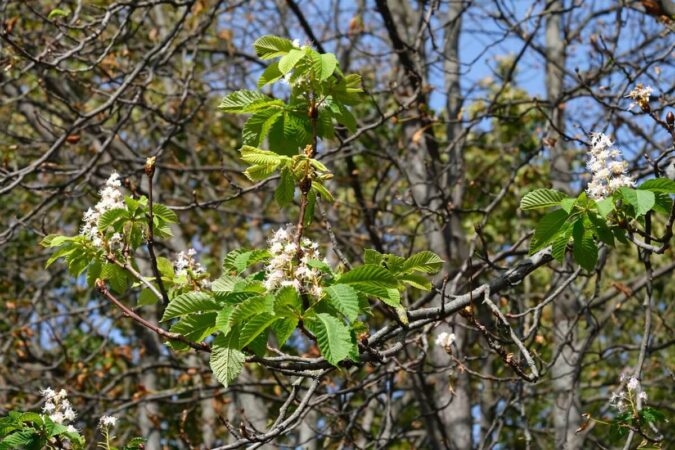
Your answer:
<point x="186" y="265"/>
<point x="58" y="408"/>
<point x="111" y="198"/>
<point x="445" y="340"/>
<point x="107" y="421"/>
<point x="640" y="96"/>
<point x="607" y="166"/>
<point x="623" y="399"/>
<point x="289" y="265"/>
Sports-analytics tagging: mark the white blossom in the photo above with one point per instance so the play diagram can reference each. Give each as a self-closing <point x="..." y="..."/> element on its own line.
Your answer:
<point x="640" y="96"/>
<point x="71" y="429"/>
<point x="445" y="340"/>
<point x="642" y="395"/>
<point x="296" y="43"/>
<point x="286" y="270"/>
<point x="186" y="265"/>
<point x="607" y="167"/>
<point x="108" y="421"/>
<point x="633" y="384"/>
<point x="111" y="198"/>
<point x="57" y="406"/>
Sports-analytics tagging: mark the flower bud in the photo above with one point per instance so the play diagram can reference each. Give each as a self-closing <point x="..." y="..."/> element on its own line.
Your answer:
<point x="670" y="118"/>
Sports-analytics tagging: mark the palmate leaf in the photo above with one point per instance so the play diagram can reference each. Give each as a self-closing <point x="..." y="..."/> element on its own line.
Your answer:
<point x="541" y="198"/>
<point x="370" y="274"/>
<point x="584" y="249"/>
<point x="664" y="185"/>
<point x="428" y="262"/>
<point x="283" y="329"/>
<point x="290" y="133"/>
<point x="254" y="327"/>
<point x="332" y="336"/>
<point x="190" y="302"/>
<point x="286" y="188"/>
<point x="290" y="60"/>
<point x="270" y="75"/>
<point x="268" y="46"/>
<point x="258" y="125"/>
<point x="226" y="359"/>
<point x="253" y="155"/>
<point x="324" y="66"/>
<point x="110" y="217"/>
<point x="547" y="229"/>
<point x="195" y="327"/>
<point x="345" y="299"/>
<point x="641" y="200"/>
<point x="246" y="101"/>
<point x="259" y="172"/>
<point x="164" y="213"/>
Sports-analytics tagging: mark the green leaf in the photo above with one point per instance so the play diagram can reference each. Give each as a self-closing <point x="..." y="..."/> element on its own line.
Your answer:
<point x="19" y="439"/>
<point x="605" y="206"/>
<point x="309" y="210"/>
<point x="225" y="283"/>
<point x="258" y="126"/>
<point x="190" y="302"/>
<point x="547" y="229"/>
<point x="584" y="249"/>
<point x="323" y="192"/>
<point x="541" y="198"/>
<point x="246" y="101"/>
<point x="283" y="329"/>
<point x="110" y="217"/>
<point x="427" y="262"/>
<point x="286" y="189"/>
<point x="415" y="280"/>
<point x="195" y="327"/>
<point x="164" y="213"/>
<point x="226" y="360"/>
<point x="268" y="47"/>
<point x="287" y="302"/>
<point x="270" y="75"/>
<point x="259" y="173"/>
<point x="601" y="229"/>
<point x="344" y="298"/>
<point x="290" y="133"/>
<point x="332" y="336"/>
<point x="250" y="308"/>
<point x="641" y="200"/>
<point x="663" y="203"/>
<point x="54" y="13"/>
<point x="665" y="185"/>
<point x="325" y="66"/>
<point x="254" y="326"/>
<point x="652" y="415"/>
<point x="370" y="274"/>
<point x="116" y="276"/>
<point x="288" y="61"/>
<point x="371" y="256"/>
<point x="559" y="246"/>
<point x="567" y="204"/>
<point x="147" y="297"/>
<point x="253" y="155"/>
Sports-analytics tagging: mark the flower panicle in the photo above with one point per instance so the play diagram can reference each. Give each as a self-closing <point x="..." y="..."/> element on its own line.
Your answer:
<point x="285" y="269"/>
<point x="607" y="167"/>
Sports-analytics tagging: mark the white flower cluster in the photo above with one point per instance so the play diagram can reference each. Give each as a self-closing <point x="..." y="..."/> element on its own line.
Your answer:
<point x="107" y="421"/>
<point x="445" y="340"/>
<point x="622" y="399"/>
<point x="58" y="408"/>
<point x="111" y="198"/>
<point x="607" y="166"/>
<point x="640" y="94"/>
<point x="285" y="270"/>
<point x="186" y="260"/>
